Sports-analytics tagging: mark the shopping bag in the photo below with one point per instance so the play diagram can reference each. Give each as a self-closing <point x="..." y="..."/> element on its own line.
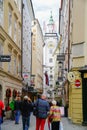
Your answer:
<point x="61" y="126"/>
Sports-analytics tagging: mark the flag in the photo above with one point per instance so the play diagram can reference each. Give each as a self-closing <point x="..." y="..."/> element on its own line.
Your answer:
<point x="46" y="78"/>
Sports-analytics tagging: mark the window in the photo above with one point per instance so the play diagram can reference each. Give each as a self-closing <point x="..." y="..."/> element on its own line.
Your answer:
<point x="19" y="67"/>
<point x="19" y="5"/>
<point x="9" y="63"/>
<point x="15" y="30"/>
<point x="10" y="22"/>
<point x="15" y="65"/>
<point x="15" y="1"/>
<point x="19" y="36"/>
<point x="1" y="12"/>
<point x="50" y="60"/>
<point x="50" y="51"/>
<point x="1" y="52"/>
<point x="51" y="76"/>
<point x="51" y="85"/>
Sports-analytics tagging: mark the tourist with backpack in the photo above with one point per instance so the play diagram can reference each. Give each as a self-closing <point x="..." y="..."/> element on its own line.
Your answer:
<point x="42" y="107"/>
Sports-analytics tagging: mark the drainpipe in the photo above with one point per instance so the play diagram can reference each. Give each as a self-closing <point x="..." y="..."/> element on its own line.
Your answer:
<point x="68" y="47"/>
<point x="21" y="37"/>
<point x="69" y="39"/>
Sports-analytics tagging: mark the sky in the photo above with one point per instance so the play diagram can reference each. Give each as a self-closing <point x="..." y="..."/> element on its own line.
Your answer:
<point x="43" y="8"/>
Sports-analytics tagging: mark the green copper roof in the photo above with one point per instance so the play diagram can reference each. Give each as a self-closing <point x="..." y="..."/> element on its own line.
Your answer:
<point x="51" y="21"/>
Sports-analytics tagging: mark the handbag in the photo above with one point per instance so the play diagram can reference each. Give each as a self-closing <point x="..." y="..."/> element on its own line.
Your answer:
<point x="35" y="109"/>
<point x="51" y="118"/>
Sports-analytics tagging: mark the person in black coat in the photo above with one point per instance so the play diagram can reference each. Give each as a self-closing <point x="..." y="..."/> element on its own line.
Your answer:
<point x="26" y="109"/>
<point x="17" y="109"/>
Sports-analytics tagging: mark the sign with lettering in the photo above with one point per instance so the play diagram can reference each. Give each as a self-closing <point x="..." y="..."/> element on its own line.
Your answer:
<point x="61" y="57"/>
<point x="5" y="58"/>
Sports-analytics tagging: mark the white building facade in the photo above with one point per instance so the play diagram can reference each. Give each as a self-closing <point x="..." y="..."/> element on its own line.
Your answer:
<point x="50" y="40"/>
<point x="28" y="16"/>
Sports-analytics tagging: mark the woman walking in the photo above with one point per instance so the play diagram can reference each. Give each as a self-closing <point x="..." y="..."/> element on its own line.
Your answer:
<point x="55" y="116"/>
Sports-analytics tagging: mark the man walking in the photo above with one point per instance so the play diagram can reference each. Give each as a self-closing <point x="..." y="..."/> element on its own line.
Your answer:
<point x="43" y="109"/>
<point x="26" y="108"/>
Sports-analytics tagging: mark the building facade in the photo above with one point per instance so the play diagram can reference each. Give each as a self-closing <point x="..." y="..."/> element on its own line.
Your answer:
<point x="77" y="89"/>
<point x="50" y="40"/>
<point x="37" y="56"/>
<point x="10" y="44"/>
<point x="28" y="17"/>
<point x="75" y="34"/>
<point x="64" y="49"/>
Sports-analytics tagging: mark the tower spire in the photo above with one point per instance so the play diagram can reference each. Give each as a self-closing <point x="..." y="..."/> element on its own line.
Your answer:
<point x="51" y="24"/>
<point x="51" y="21"/>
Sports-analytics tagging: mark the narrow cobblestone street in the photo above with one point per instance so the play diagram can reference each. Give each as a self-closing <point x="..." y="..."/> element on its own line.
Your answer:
<point x="67" y="125"/>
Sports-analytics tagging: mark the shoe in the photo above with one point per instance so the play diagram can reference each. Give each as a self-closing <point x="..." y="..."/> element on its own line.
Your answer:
<point x="16" y="123"/>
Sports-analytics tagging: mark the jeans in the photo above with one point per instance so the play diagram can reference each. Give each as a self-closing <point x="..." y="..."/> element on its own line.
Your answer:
<point x="26" y="122"/>
<point x="0" y="122"/>
<point x="17" y="116"/>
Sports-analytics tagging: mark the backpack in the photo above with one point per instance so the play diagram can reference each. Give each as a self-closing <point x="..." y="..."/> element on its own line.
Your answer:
<point x="35" y="109"/>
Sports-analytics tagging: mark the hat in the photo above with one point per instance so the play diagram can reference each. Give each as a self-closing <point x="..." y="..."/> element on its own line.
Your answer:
<point x="25" y="97"/>
<point x="54" y="102"/>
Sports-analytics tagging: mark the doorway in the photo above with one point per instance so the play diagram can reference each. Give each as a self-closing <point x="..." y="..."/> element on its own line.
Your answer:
<point x="84" y="99"/>
<point x="0" y="92"/>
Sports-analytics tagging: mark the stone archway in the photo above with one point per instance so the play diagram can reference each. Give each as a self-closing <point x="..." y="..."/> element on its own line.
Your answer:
<point x="0" y="92"/>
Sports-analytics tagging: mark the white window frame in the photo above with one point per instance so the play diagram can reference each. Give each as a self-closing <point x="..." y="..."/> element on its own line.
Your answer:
<point x="1" y="52"/>
<point x="10" y="22"/>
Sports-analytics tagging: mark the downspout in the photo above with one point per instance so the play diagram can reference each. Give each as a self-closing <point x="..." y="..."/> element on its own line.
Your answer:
<point x="68" y="48"/>
<point x="21" y="38"/>
<point x="69" y="39"/>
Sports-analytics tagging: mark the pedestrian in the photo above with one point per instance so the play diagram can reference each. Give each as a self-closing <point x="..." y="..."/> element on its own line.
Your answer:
<point x="11" y="104"/>
<point x="2" y="107"/>
<point x="43" y="109"/>
<point x="55" y="116"/>
<point x="26" y="108"/>
<point x="17" y="109"/>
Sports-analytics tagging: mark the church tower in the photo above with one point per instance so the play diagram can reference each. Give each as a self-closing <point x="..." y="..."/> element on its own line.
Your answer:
<point x="51" y="25"/>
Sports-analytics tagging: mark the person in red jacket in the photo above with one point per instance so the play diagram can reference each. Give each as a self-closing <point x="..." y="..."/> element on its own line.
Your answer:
<point x="1" y="111"/>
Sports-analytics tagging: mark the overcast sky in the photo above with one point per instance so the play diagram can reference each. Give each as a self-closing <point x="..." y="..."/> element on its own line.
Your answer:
<point x="42" y="9"/>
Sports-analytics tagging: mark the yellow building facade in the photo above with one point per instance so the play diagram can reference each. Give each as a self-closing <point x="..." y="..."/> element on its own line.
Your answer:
<point x="10" y="44"/>
<point x="78" y="73"/>
<point x="37" y="55"/>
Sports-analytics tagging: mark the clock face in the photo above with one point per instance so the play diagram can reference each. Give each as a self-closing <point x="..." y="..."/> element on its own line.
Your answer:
<point x="71" y="76"/>
<point x="50" y="45"/>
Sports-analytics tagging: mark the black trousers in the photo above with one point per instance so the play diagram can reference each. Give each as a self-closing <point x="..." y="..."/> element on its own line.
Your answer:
<point x="55" y="125"/>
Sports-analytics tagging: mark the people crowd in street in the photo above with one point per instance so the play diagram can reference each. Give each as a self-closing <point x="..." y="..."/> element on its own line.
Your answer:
<point x="41" y="108"/>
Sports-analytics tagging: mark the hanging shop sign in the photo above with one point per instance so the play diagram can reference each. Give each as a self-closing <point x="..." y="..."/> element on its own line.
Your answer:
<point x="61" y="57"/>
<point x="71" y="76"/>
<point x="5" y="58"/>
